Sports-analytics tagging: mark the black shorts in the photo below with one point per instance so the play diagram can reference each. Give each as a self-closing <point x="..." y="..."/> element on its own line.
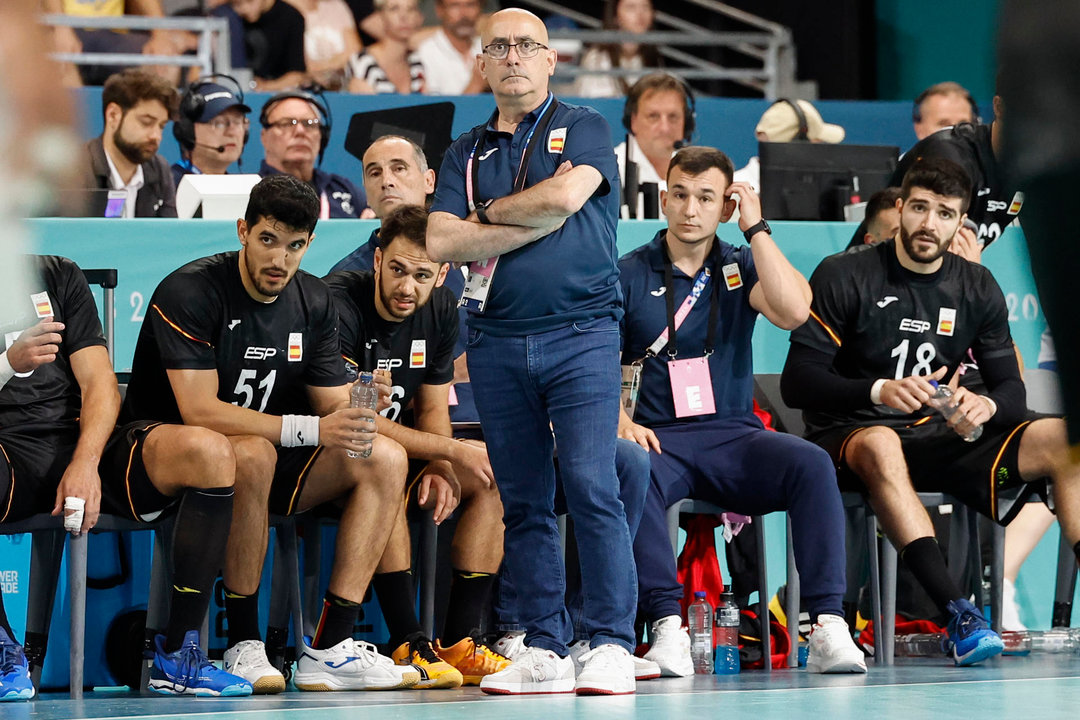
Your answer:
<point x="126" y="489"/>
<point x="290" y="474"/>
<point x="983" y="474"/>
<point x="33" y="467"/>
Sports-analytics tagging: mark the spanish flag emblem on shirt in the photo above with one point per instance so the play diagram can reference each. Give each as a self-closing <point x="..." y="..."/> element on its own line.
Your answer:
<point x="732" y="276"/>
<point x="418" y="354"/>
<point x="946" y="321"/>
<point x="42" y="305"/>
<point x="296" y="347"/>
<point x="556" y="140"/>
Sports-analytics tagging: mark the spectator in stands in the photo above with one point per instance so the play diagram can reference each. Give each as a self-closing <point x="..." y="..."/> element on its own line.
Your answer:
<point x="137" y="105"/>
<point x="629" y="16"/>
<point x="330" y="39"/>
<point x="659" y="119"/>
<point x="75" y="40"/>
<point x="211" y="129"/>
<point x="713" y="447"/>
<point x="882" y="218"/>
<point x="788" y="121"/>
<point x="941" y="106"/>
<point x="295" y="132"/>
<point x="274" y="42"/>
<point x="389" y="66"/>
<point x="882" y="433"/>
<point x="449" y="54"/>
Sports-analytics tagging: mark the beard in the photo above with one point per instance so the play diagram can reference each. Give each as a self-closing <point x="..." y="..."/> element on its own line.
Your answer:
<point x="908" y="240"/>
<point x="135" y="153"/>
<point x="388" y="303"/>
<point x="263" y="284"/>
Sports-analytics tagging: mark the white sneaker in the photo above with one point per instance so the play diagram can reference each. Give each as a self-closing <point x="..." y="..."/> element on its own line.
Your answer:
<point x="645" y="669"/>
<point x="1010" y="611"/>
<point x="350" y="665"/>
<point x="831" y="648"/>
<point x="510" y="644"/>
<point x="247" y="659"/>
<point x="577" y="649"/>
<point x="534" y="670"/>
<point x="669" y="647"/>
<point x="606" y="670"/>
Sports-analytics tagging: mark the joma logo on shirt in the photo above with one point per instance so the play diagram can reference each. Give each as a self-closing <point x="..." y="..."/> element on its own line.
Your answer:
<point x="259" y="353"/>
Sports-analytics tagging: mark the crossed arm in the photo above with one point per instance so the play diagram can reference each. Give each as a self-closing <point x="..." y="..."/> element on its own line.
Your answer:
<point x="516" y="220"/>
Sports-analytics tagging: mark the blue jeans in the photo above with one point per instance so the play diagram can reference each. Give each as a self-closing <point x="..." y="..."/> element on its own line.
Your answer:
<point x="632" y="469"/>
<point x="567" y="380"/>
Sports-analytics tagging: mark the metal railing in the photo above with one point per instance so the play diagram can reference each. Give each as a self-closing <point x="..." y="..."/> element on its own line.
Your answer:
<point x="211" y="56"/>
<point x="766" y="42"/>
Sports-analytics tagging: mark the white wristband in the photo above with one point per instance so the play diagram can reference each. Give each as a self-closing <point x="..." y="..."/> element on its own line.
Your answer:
<point x="875" y="390"/>
<point x="6" y="371"/>
<point x="299" y="430"/>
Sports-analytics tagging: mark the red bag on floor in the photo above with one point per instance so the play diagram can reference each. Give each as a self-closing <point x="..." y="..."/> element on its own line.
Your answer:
<point x="698" y="567"/>
<point x="903" y="627"/>
<point x="750" y="641"/>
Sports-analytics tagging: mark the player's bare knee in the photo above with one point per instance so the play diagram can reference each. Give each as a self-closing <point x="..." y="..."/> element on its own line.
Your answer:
<point x="872" y="450"/>
<point x="209" y="454"/>
<point x="1045" y="446"/>
<point x="255" y="461"/>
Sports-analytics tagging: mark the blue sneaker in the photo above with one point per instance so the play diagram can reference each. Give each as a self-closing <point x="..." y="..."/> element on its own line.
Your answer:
<point x="970" y="639"/>
<point x="15" y="683"/>
<point x="189" y="672"/>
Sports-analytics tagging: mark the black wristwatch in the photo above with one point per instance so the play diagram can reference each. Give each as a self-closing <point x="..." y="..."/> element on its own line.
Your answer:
<point x="755" y="228"/>
<point x="481" y="213"/>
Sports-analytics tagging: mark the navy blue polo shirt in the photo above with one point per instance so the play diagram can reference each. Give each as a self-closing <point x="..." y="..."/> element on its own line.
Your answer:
<point x="346" y="200"/>
<point x="570" y="275"/>
<point x="730" y="365"/>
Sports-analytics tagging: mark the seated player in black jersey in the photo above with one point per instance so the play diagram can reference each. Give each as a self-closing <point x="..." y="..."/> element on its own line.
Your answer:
<point x="246" y="344"/>
<point x="403" y="319"/>
<point x="885" y="322"/>
<point x="58" y="405"/>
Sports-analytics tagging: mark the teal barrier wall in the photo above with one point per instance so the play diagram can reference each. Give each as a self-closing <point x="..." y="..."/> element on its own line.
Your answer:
<point x="145" y="251"/>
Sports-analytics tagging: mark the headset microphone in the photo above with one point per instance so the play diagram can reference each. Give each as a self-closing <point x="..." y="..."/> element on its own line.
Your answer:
<point x="218" y="148"/>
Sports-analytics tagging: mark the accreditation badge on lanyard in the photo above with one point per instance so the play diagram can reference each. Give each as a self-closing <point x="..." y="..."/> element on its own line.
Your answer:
<point x="482" y="272"/>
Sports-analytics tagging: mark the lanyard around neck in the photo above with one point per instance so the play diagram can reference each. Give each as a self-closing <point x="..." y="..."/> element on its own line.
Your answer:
<point x="472" y="170"/>
<point x="674" y="322"/>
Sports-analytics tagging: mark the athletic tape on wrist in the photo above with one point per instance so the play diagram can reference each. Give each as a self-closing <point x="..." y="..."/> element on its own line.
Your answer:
<point x="299" y="430"/>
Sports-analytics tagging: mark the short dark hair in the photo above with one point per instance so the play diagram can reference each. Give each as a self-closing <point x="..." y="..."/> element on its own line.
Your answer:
<point x="405" y="221"/>
<point x="939" y="176"/>
<point x="130" y="87"/>
<point x="287" y="199"/>
<point x="696" y="159"/>
<point x="881" y="200"/>
<point x="944" y="88"/>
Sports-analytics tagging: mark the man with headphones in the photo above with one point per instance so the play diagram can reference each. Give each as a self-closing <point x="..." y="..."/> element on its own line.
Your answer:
<point x="295" y="132"/>
<point x="212" y="128"/>
<point x="941" y="106"/>
<point x="659" y="119"/>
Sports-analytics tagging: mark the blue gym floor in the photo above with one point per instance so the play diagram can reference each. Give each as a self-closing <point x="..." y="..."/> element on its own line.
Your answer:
<point x="1022" y="688"/>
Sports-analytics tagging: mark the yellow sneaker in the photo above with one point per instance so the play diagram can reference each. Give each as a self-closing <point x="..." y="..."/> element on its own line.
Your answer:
<point x="434" y="671"/>
<point x="472" y="659"/>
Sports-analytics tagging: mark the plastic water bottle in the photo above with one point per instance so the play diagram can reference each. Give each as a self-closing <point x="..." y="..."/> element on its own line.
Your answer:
<point x="1054" y="640"/>
<point x="1016" y="642"/>
<point x="919" y="645"/>
<point x="699" y="615"/>
<point x="942" y="401"/>
<point x="364" y="394"/>
<point x="726" y="636"/>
